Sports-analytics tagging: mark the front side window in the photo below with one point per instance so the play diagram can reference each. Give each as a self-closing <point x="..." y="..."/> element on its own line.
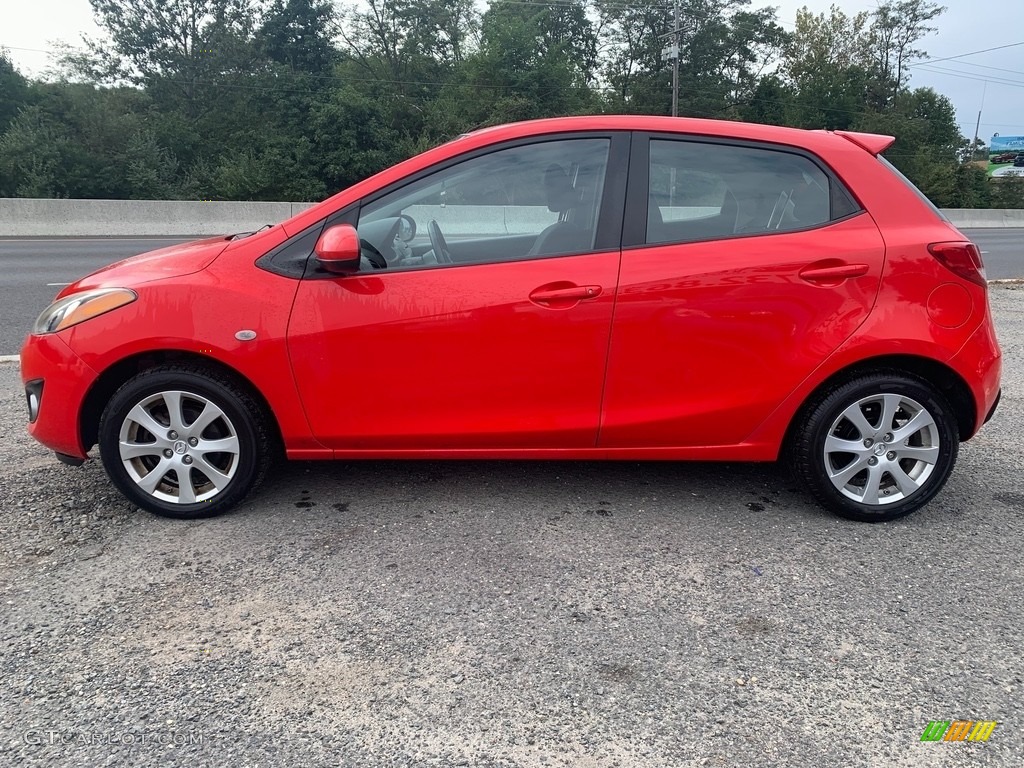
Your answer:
<point x="704" y="191"/>
<point x="524" y="202"/>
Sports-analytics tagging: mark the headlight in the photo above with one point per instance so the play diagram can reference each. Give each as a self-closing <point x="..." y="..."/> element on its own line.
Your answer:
<point x="73" y="309"/>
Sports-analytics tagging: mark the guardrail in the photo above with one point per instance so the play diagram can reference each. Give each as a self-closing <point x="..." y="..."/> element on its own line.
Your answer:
<point x="32" y="217"/>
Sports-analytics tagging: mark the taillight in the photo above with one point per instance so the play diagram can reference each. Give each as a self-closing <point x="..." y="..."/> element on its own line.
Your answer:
<point x="961" y="258"/>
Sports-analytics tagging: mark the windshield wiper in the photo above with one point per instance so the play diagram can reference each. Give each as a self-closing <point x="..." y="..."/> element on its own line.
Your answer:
<point x="243" y="235"/>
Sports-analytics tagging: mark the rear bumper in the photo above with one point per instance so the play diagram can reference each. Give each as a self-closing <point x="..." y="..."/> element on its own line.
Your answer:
<point x="980" y="363"/>
<point x="992" y="410"/>
<point x="47" y="363"/>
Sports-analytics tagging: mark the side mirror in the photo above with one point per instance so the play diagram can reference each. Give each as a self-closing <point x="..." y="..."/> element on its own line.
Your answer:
<point x="337" y="250"/>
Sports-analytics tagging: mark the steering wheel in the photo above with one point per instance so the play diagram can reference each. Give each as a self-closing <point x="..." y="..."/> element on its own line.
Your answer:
<point x="372" y="255"/>
<point x="438" y="244"/>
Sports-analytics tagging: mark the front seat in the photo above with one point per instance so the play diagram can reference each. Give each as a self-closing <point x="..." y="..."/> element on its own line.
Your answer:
<point x="562" y="236"/>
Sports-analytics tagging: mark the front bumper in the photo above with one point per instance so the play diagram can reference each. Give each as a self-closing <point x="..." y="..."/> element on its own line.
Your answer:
<point x="60" y="380"/>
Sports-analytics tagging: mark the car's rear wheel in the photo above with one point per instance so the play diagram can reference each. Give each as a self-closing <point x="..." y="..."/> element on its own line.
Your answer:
<point x="184" y="442"/>
<point x="877" y="447"/>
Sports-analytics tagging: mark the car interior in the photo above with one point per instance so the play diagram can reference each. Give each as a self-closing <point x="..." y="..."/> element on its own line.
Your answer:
<point x="522" y="205"/>
<point x="543" y="200"/>
<point x="697" y="194"/>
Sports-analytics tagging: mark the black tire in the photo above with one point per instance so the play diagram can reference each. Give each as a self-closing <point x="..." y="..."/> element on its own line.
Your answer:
<point x="906" y="472"/>
<point x="241" y="428"/>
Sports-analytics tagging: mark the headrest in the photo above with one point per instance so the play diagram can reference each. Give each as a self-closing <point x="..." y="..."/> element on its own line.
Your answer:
<point x="559" y="190"/>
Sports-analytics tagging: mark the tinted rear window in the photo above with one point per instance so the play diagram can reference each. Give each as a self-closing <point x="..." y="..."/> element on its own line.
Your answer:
<point x="704" y="191"/>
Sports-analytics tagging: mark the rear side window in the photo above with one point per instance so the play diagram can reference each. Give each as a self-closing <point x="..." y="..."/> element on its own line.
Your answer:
<point x="704" y="191"/>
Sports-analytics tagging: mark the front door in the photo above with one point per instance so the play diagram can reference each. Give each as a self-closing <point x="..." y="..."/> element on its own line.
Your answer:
<point x="482" y="314"/>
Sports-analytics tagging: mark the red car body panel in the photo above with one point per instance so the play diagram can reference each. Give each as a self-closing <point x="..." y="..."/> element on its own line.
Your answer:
<point x="200" y="316"/>
<point x="66" y="379"/>
<point x="172" y="261"/>
<point x="701" y="350"/>
<point x="710" y="336"/>
<point x="444" y="359"/>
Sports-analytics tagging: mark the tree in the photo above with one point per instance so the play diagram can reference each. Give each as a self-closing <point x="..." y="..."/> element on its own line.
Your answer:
<point x="534" y="61"/>
<point x="393" y="39"/>
<point x="1007" y="192"/>
<point x="80" y="141"/>
<point x="634" y="34"/>
<point x="827" y="64"/>
<point x="832" y="41"/>
<point x="14" y="91"/>
<point x="292" y="99"/>
<point x="297" y="34"/>
<point x="928" y="142"/>
<point x="30" y="156"/>
<point x="896" y="28"/>
<point x="726" y="49"/>
<point x="178" y="47"/>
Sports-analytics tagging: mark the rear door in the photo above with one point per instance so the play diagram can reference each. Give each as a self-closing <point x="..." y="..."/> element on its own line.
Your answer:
<point x="743" y="267"/>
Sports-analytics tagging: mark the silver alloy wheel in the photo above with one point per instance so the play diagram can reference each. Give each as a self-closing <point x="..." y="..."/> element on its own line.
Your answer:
<point x="179" y="447"/>
<point x="881" y="449"/>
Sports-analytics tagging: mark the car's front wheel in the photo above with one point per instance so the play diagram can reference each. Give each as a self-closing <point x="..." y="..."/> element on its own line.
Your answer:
<point x="877" y="447"/>
<point x="184" y="442"/>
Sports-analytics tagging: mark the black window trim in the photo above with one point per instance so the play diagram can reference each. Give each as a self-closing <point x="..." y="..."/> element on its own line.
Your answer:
<point x="278" y="263"/>
<point x="634" y="231"/>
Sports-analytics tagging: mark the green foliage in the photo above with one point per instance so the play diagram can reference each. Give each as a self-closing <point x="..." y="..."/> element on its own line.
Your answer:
<point x="295" y="99"/>
<point x="80" y="141"/>
<point x="1007" y="192"/>
<point x="13" y="91"/>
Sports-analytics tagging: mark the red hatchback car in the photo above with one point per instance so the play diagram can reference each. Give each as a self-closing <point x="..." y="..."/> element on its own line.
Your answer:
<point x="585" y="288"/>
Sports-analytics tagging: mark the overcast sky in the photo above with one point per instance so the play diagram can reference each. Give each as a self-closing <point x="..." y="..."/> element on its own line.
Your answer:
<point x="963" y="28"/>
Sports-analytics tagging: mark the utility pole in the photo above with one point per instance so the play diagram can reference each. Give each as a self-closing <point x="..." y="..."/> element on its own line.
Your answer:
<point x="675" y="59"/>
<point x="671" y="53"/>
<point x="977" y="125"/>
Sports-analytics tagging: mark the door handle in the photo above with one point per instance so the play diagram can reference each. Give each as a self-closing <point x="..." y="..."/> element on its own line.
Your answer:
<point x="834" y="273"/>
<point x="562" y="294"/>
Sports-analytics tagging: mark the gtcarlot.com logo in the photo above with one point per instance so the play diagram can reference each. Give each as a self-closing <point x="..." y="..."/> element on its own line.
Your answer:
<point x="959" y="730"/>
<point x="49" y="737"/>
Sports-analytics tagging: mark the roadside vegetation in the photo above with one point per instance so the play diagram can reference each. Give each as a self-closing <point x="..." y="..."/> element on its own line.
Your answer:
<point x="296" y="99"/>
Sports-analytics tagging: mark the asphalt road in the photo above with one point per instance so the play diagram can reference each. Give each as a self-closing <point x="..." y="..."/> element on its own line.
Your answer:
<point x="513" y="615"/>
<point x="1002" y="251"/>
<point x="32" y="271"/>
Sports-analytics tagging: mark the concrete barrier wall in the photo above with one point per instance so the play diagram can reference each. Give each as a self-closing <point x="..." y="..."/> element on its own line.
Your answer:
<point x="26" y="217"/>
<point x="469" y="220"/>
<point x="966" y="218"/>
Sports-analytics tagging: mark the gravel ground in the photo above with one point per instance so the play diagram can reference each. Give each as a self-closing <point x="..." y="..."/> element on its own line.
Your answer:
<point x="512" y="614"/>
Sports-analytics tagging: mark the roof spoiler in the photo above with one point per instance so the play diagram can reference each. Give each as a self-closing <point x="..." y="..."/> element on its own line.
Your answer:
<point x="874" y="143"/>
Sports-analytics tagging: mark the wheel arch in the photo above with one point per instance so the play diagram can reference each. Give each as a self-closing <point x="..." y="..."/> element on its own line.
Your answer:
<point x="948" y="382"/>
<point x="114" y="376"/>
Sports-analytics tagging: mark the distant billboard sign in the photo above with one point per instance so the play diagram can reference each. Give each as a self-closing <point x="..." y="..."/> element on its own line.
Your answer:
<point x="1006" y="144"/>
